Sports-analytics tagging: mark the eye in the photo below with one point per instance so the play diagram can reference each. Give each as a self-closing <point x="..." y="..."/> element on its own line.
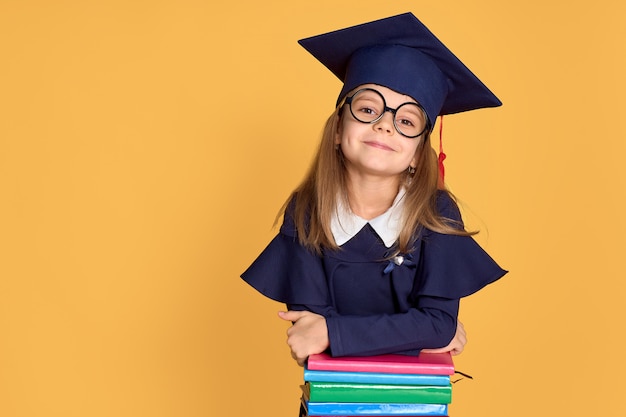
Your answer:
<point x="410" y="115"/>
<point x="368" y="110"/>
<point x="406" y="122"/>
<point x="367" y="105"/>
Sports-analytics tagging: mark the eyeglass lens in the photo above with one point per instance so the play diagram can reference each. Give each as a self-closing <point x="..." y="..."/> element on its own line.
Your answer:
<point x="368" y="106"/>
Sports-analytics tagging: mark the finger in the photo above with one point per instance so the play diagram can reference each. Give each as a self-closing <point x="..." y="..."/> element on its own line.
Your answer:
<point x="439" y="350"/>
<point x="298" y="359"/>
<point x="461" y="331"/>
<point x="462" y="336"/>
<point x="291" y="315"/>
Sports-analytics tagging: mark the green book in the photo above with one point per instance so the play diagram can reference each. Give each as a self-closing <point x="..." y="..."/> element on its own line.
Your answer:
<point x="377" y="393"/>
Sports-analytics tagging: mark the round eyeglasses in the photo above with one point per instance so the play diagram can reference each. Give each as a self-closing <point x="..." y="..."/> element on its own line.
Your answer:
<point x="368" y="106"/>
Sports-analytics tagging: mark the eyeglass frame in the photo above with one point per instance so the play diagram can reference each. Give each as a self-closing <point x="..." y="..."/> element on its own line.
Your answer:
<point x="348" y="101"/>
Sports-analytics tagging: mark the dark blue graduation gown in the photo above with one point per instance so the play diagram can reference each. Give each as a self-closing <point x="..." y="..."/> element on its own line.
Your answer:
<point x="373" y="306"/>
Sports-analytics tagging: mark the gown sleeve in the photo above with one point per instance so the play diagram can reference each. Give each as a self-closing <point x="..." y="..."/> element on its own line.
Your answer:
<point x="431" y="323"/>
<point x="287" y="272"/>
<point x="453" y="266"/>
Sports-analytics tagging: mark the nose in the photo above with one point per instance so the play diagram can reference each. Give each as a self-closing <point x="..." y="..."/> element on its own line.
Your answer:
<point x="385" y="123"/>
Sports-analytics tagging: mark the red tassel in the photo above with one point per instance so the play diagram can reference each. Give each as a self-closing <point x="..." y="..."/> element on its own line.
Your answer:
<point x="442" y="157"/>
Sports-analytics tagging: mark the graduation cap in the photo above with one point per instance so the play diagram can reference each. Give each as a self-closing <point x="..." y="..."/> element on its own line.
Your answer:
<point x="400" y="53"/>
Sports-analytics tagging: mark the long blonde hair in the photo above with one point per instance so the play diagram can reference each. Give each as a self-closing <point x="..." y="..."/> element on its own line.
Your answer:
<point x="315" y="199"/>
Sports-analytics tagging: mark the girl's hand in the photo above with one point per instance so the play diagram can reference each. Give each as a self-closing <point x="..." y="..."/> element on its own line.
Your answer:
<point x="307" y="336"/>
<point x="457" y="344"/>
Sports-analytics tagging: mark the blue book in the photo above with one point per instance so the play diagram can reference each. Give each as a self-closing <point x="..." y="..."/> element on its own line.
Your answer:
<point x="376" y="378"/>
<point x="375" y="409"/>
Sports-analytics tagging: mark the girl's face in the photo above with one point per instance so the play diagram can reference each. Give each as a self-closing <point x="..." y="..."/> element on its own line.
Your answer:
<point x="377" y="149"/>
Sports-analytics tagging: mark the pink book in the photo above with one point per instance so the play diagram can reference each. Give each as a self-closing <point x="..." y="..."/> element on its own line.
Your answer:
<point x="425" y="363"/>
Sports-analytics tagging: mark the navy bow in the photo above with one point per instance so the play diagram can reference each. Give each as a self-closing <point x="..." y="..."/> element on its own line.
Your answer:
<point x="399" y="260"/>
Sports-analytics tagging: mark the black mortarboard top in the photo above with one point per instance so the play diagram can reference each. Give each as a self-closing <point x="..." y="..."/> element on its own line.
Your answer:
<point x="400" y="53"/>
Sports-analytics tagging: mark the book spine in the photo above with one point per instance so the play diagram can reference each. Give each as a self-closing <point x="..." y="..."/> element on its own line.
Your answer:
<point x="377" y="393"/>
<point x="380" y="368"/>
<point x="366" y="409"/>
<point x="428" y="364"/>
<point x="376" y="378"/>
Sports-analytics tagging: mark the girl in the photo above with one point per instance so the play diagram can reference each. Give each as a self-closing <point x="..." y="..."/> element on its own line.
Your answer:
<point x="372" y="256"/>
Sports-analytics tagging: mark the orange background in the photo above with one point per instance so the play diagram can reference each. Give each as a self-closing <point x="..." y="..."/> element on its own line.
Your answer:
<point x="145" y="147"/>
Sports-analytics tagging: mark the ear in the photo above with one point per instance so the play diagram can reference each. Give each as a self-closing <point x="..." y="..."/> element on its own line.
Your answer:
<point x="339" y="132"/>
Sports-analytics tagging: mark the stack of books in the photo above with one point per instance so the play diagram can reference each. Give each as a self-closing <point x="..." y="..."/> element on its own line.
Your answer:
<point x="385" y="385"/>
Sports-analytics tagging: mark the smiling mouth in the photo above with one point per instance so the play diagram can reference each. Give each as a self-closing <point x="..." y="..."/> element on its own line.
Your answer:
<point x="378" y="145"/>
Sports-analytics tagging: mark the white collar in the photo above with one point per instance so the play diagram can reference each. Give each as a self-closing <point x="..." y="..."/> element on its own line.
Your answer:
<point x="344" y="224"/>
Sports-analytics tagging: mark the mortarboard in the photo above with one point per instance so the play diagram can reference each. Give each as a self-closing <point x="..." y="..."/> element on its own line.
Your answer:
<point x="400" y="53"/>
